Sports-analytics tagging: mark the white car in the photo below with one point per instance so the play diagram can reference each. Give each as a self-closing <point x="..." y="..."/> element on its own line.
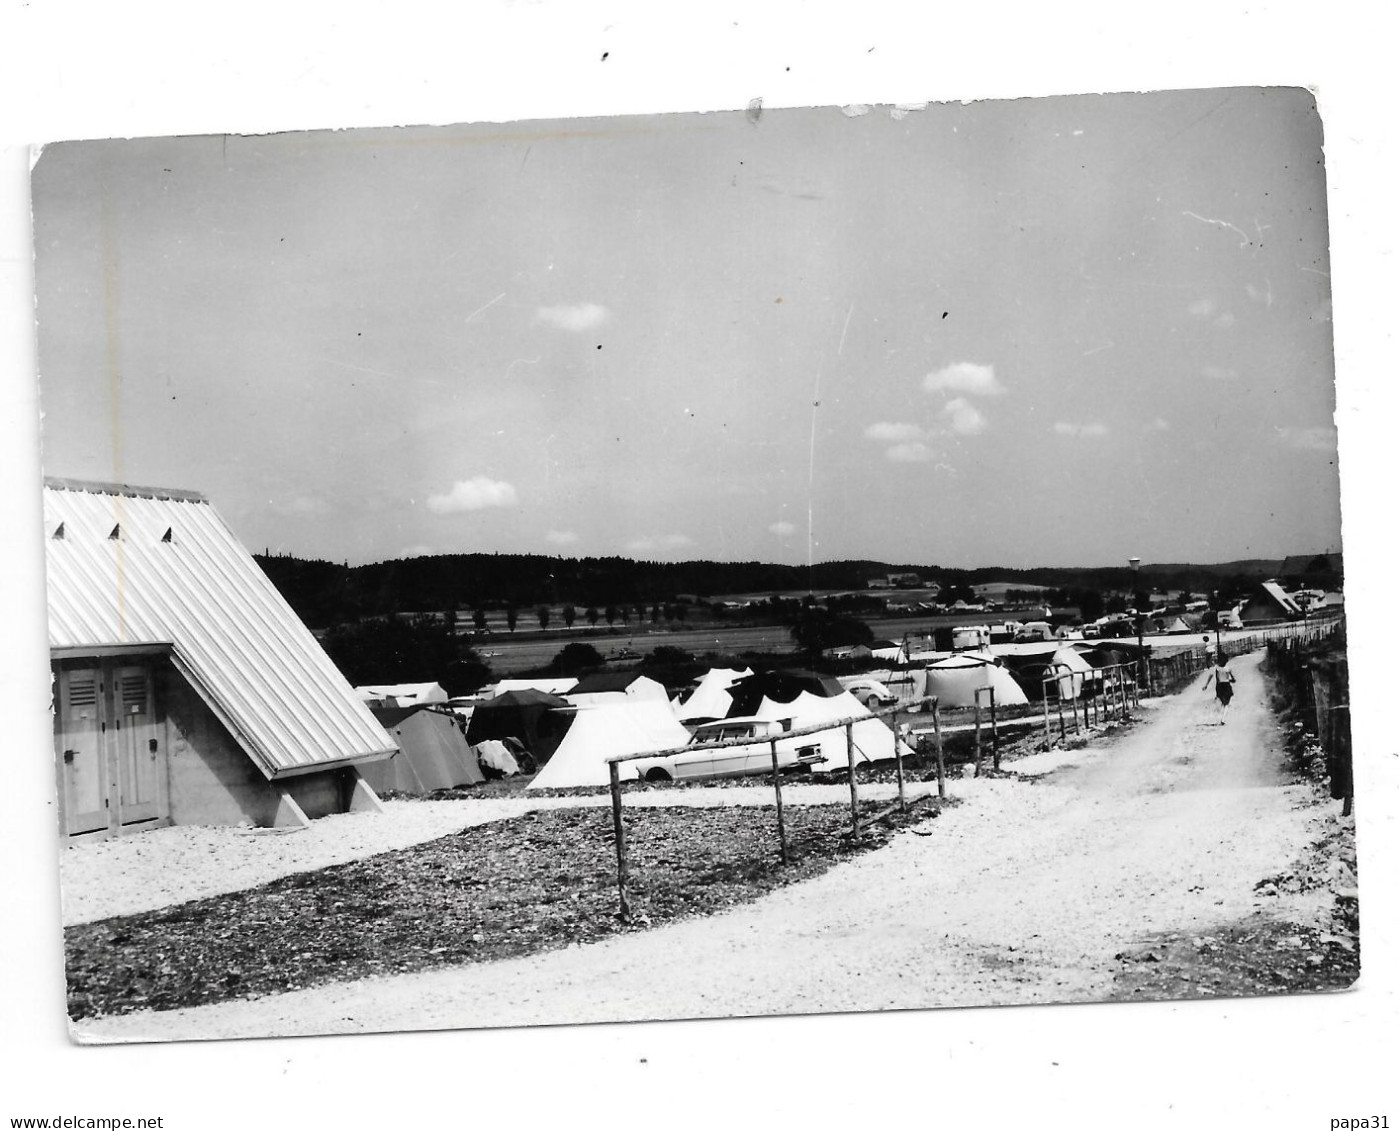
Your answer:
<point x="702" y="759"/>
<point x="870" y="692"/>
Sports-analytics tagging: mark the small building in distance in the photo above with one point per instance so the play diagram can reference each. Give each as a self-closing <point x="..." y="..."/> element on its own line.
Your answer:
<point x="1270" y="602"/>
<point x="186" y="690"/>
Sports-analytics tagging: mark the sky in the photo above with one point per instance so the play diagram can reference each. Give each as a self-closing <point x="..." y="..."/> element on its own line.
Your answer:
<point x="1046" y="331"/>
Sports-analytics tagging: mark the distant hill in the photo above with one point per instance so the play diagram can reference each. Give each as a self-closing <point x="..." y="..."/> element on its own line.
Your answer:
<point x="325" y="593"/>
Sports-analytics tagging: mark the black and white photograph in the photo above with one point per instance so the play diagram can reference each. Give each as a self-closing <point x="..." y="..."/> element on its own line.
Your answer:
<point x="760" y="561"/>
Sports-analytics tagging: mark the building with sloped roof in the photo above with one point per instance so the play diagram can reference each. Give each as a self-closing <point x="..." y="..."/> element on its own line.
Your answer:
<point x="186" y="690"/>
<point x="1269" y="602"/>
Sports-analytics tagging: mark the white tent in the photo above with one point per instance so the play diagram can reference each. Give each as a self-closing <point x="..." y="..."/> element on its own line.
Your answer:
<point x="401" y="694"/>
<point x="597" y="690"/>
<point x="874" y="741"/>
<point x="954" y="681"/>
<point x="711" y="698"/>
<point x="1071" y="684"/>
<point x="495" y="754"/>
<point x="556" y="685"/>
<point x="600" y="732"/>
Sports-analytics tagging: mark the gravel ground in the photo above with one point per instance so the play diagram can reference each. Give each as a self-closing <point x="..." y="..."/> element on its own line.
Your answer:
<point x="1026" y="893"/>
<point x="173" y="865"/>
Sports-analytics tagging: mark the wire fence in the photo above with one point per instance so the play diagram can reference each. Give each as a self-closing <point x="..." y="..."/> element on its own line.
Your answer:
<point x="1313" y="671"/>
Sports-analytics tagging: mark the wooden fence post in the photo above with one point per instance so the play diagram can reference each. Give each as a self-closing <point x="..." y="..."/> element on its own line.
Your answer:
<point x="619" y="833"/>
<point x="976" y="716"/>
<point x="995" y="735"/>
<point x="899" y="765"/>
<point x="937" y="738"/>
<point x="777" y="788"/>
<point x="854" y="788"/>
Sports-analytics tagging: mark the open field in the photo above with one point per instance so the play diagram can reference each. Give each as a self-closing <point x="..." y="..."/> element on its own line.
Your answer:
<point x="507" y="654"/>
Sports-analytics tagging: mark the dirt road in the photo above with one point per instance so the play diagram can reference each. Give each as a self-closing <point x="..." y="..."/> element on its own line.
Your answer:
<point x="1027" y="892"/>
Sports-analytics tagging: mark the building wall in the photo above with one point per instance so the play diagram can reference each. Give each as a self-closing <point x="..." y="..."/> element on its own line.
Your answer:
<point x="213" y="782"/>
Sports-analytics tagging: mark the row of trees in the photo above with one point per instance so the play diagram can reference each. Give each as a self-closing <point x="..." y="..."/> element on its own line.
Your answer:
<point x="325" y="593"/>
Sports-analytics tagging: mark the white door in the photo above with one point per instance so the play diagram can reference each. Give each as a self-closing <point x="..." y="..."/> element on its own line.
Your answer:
<point x="136" y="739"/>
<point x="81" y="760"/>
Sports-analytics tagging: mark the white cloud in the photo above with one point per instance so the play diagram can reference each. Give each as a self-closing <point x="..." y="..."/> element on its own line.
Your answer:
<point x="473" y="495"/>
<point x="1219" y="373"/>
<point x="577" y="318"/>
<point x="1201" y="307"/>
<point x="561" y="538"/>
<point x="1159" y="425"/>
<point x="965" y="377"/>
<point x="966" y="418"/>
<point x="1321" y="438"/>
<point x="1225" y="320"/>
<point x="783" y="529"/>
<point x="891" y="433"/>
<point x="298" y="506"/>
<point x="419" y="550"/>
<point x="915" y="452"/>
<point x="1064" y="428"/>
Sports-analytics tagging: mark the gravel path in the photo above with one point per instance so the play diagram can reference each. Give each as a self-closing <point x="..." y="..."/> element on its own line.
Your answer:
<point x="173" y="865"/>
<point x="1024" y="894"/>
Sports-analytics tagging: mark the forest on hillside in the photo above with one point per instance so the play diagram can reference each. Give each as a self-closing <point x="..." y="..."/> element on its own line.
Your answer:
<point x="328" y="593"/>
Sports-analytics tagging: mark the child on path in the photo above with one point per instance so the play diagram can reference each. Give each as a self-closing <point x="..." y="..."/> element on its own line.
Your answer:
<point x="1223" y="680"/>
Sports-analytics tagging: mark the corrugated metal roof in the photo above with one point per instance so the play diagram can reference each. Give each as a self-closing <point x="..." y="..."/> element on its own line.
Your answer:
<point x="114" y="578"/>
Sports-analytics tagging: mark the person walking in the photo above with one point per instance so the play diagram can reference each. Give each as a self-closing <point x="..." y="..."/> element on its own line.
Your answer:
<point x="1223" y="680"/>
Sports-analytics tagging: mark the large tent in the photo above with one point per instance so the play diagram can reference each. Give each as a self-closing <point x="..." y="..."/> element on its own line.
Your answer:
<point x="553" y="685"/>
<point x="601" y="731"/>
<point x="1030" y="667"/>
<point x="711" y="698"/>
<point x="872" y="739"/>
<point x="533" y="718"/>
<point x="955" y="680"/>
<point x="780" y="686"/>
<point x="432" y="752"/>
<point x="401" y="694"/>
<point x="605" y="687"/>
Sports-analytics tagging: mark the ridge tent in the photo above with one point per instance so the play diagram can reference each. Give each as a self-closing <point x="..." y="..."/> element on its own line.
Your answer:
<point x="533" y="718"/>
<point x="432" y="752"/>
<point x="601" y="731"/>
<point x="552" y="685"/>
<point x="711" y="698"/>
<point x="872" y="738"/>
<point x="779" y="686"/>
<point x="955" y="679"/>
<point x="401" y="694"/>
<point x="1029" y="668"/>
<point x="603" y="687"/>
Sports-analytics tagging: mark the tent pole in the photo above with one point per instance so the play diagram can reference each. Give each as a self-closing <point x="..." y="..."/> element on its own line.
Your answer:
<point x="619" y="833"/>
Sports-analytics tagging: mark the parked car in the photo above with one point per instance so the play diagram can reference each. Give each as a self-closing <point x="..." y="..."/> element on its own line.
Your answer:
<point x="701" y="759"/>
<point x="870" y="692"/>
